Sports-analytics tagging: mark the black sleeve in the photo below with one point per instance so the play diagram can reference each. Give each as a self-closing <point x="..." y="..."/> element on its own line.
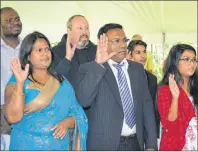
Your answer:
<point x="89" y="77"/>
<point x="60" y="64"/>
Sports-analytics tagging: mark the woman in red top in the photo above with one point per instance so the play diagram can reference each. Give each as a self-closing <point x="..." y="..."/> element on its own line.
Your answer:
<point x="177" y="100"/>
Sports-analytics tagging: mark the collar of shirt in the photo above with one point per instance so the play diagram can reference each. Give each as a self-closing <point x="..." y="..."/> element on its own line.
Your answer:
<point x="126" y="64"/>
<point x="3" y="43"/>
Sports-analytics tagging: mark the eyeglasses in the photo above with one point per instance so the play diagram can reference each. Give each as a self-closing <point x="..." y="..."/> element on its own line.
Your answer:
<point x="188" y="60"/>
<point x="118" y="41"/>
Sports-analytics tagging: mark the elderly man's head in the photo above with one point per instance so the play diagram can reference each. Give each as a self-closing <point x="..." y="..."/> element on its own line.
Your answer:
<point x="137" y="37"/>
<point x="78" y="28"/>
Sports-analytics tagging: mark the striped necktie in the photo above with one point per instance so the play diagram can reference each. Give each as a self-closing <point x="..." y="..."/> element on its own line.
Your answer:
<point x="127" y="100"/>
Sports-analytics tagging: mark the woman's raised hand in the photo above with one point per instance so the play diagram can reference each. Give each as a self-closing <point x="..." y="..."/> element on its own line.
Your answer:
<point x="16" y="68"/>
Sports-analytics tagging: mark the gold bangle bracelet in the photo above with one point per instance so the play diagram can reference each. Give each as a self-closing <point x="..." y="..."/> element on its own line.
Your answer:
<point x="18" y="93"/>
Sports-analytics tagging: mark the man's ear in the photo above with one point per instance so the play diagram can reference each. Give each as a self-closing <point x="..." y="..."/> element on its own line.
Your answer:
<point x="128" y="56"/>
<point x="28" y="58"/>
<point x="68" y="30"/>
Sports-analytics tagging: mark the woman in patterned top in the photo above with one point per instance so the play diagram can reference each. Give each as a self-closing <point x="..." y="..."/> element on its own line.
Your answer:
<point x="177" y="100"/>
<point x="41" y="105"/>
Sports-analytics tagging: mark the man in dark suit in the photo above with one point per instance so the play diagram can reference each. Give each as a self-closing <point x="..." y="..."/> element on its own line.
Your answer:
<point x="115" y="93"/>
<point x="79" y="49"/>
<point x="137" y="52"/>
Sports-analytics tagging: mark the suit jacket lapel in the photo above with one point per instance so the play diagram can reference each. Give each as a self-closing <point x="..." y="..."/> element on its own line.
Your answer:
<point x="148" y="80"/>
<point x="133" y="80"/>
<point x="110" y="78"/>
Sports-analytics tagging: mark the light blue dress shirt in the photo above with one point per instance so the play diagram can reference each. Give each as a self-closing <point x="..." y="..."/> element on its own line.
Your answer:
<point x="7" y="53"/>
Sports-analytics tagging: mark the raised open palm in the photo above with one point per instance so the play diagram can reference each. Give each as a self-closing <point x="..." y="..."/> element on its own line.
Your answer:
<point x="20" y="74"/>
<point x="70" y="50"/>
<point x="173" y="86"/>
<point x="102" y="54"/>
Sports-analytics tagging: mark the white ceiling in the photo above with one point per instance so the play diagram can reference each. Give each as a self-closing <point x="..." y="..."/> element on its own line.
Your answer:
<point x="149" y="18"/>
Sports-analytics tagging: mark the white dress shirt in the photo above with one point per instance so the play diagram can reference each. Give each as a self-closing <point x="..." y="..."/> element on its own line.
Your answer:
<point x="7" y="53"/>
<point x="126" y="131"/>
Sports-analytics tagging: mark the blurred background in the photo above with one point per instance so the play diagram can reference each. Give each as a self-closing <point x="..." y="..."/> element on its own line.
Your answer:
<point x="161" y="23"/>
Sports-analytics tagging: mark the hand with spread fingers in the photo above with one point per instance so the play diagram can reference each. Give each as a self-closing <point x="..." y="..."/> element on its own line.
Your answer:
<point x="20" y="74"/>
<point x="70" y="49"/>
<point x="173" y="86"/>
<point x="102" y="54"/>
